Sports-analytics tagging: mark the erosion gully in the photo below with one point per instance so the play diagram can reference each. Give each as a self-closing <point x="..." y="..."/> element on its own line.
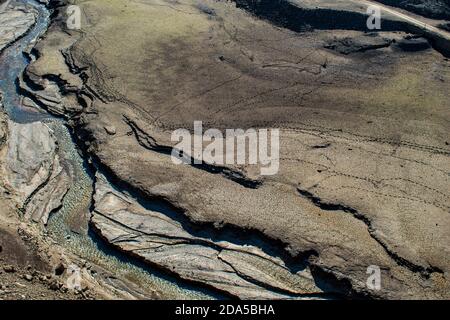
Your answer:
<point x="69" y="225"/>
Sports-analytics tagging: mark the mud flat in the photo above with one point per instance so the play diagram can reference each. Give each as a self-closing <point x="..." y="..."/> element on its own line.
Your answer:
<point x="364" y="165"/>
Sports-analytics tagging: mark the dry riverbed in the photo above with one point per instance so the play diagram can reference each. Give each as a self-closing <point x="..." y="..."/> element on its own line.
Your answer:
<point x="364" y="171"/>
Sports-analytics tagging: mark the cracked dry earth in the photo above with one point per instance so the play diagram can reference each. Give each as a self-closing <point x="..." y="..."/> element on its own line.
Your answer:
<point x="364" y="145"/>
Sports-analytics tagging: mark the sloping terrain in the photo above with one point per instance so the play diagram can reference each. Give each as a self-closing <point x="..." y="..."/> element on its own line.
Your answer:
<point x="364" y="170"/>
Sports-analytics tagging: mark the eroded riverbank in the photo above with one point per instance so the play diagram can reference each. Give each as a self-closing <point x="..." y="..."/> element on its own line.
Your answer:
<point x="68" y="221"/>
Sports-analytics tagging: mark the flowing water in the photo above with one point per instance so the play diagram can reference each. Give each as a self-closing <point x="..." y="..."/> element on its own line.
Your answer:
<point x="69" y="225"/>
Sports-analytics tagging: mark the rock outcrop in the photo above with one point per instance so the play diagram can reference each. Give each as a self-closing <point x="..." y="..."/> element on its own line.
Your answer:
<point x="15" y="21"/>
<point x="51" y="85"/>
<point x="32" y="170"/>
<point x="362" y="43"/>
<point x="241" y="270"/>
<point x="33" y="174"/>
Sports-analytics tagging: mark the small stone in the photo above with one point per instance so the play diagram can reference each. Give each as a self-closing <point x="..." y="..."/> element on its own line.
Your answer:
<point x="111" y="130"/>
<point x="28" y="277"/>
<point x="9" y="269"/>
<point x="413" y="44"/>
